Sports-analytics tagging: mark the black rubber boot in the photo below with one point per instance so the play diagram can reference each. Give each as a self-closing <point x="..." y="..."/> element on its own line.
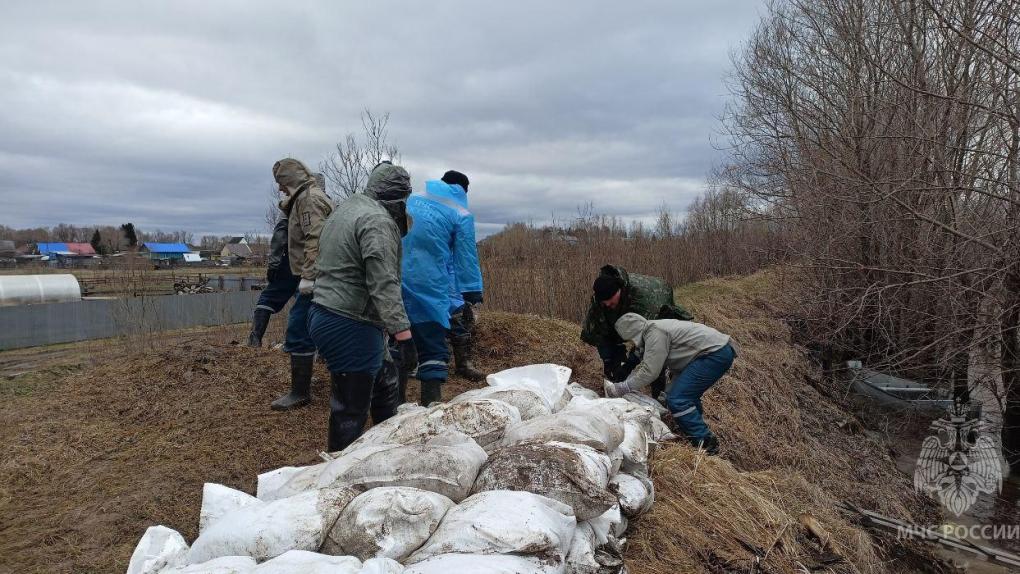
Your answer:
<point x="710" y="444"/>
<point x="259" y="323"/>
<point x="386" y="393"/>
<point x="348" y="407"/>
<point x="300" y="384"/>
<point x="431" y="391"/>
<point x="462" y="357"/>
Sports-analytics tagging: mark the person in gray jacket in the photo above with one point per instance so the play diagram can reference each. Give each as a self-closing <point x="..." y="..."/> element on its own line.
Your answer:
<point x="357" y="302"/>
<point x="697" y="356"/>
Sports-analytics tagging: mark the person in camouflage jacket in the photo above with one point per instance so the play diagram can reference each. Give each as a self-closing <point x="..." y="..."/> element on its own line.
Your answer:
<point x="616" y="293"/>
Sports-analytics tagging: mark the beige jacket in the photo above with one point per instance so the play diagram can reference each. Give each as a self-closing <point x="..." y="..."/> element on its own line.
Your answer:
<point x="307" y="207"/>
<point x="666" y="343"/>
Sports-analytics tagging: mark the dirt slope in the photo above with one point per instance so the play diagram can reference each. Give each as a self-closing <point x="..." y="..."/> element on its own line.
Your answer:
<point x="94" y="456"/>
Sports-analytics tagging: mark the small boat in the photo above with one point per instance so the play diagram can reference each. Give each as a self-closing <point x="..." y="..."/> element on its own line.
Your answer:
<point x="895" y="391"/>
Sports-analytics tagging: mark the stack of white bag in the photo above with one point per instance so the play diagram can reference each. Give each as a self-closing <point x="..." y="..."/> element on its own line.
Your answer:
<point x="527" y="475"/>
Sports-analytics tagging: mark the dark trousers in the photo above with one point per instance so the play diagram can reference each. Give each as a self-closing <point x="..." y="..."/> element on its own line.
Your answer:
<point x="275" y="296"/>
<point x="299" y="340"/>
<point x="433" y="354"/>
<point x="684" y="398"/>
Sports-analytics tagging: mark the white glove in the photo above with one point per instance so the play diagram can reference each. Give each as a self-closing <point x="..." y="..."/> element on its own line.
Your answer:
<point x="614" y="390"/>
<point x="306" y="286"/>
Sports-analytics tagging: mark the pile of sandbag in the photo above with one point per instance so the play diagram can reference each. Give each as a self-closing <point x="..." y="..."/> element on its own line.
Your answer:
<point x="528" y="475"/>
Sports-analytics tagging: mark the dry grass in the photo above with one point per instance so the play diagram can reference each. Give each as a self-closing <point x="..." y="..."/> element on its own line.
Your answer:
<point x="94" y="456"/>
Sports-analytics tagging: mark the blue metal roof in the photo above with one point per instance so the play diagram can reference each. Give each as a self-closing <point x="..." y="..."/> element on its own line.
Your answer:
<point x="166" y="247"/>
<point x="47" y="248"/>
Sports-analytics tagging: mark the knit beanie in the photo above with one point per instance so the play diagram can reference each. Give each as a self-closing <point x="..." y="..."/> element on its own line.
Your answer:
<point x="606" y="286"/>
<point x="456" y="178"/>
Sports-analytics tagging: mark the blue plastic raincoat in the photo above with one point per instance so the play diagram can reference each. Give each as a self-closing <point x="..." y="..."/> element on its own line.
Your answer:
<point x="440" y="255"/>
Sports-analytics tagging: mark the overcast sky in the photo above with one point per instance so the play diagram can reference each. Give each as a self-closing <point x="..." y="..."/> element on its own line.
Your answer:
<point x="171" y="114"/>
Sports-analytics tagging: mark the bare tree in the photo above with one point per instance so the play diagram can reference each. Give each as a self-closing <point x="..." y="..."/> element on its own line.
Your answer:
<point x="347" y="168"/>
<point x="884" y="136"/>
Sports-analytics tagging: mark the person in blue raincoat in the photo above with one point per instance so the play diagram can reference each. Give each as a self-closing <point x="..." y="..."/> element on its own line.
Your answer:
<point x="440" y="257"/>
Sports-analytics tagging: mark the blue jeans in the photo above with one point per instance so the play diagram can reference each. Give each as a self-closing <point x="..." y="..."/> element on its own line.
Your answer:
<point x="347" y="346"/>
<point x="298" y="340"/>
<point x="275" y="296"/>
<point x="433" y="354"/>
<point x="684" y="397"/>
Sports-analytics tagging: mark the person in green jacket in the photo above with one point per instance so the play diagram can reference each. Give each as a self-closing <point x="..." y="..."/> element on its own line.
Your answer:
<point x="616" y="293"/>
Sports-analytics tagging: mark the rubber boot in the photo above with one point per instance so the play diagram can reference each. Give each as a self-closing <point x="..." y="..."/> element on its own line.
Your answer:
<point x="259" y="323"/>
<point x="350" y="397"/>
<point x="431" y="391"/>
<point x="462" y="356"/>
<point x="300" y="384"/>
<point x="386" y="393"/>
<point x="710" y="444"/>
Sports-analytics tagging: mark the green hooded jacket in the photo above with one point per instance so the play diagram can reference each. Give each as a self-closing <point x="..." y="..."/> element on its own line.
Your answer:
<point x="359" y="257"/>
<point x="647" y="296"/>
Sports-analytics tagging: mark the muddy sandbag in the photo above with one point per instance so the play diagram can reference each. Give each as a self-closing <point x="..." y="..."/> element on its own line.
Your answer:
<point x="221" y="565"/>
<point x="287" y="481"/>
<point x="265" y="530"/>
<point x="548" y="380"/>
<point x="573" y="474"/>
<point x="219" y="501"/>
<point x="636" y="493"/>
<point x="610" y="524"/>
<point x="484" y="564"/>
<point x="482" y="419"/>
<point x="527" y="401"/>
<point x="159" y="548"/>
<point x="305" y="562"/>
<point x="646" y="401"/>
<point x="593" y="429"/>
<point x="587" y="556"/>
<point x="503" y="522"/>
<point x="389" y="521"/>
<point x="447" y="464"/>
<point x="380" y="565"/>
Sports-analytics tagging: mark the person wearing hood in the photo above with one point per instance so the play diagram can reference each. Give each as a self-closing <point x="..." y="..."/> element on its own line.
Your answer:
<point x="440" y="258"/>
<point x="696" y="354"/>
<point x="616" y="292"/>
<point x="358" y="303"/>
<point x="305" y="206"/>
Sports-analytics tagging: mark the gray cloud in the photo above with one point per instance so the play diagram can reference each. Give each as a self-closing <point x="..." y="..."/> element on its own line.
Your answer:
<point x="171" y="114"/>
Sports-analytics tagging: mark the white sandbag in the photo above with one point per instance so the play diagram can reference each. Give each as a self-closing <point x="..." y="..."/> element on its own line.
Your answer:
<point x="610" y="524"/>
<point x="270" y="529"/>
<point x="634" y="448"/>
<point x="646" y="401"/>
<point x="389" y="521"/>
<point x="576" y="390"/>
<point x="305" y="562"/>
<point x="221" y="565"/>
<point x="219" y="501"/>
<point x="548" y="380"/>
<point x="503" y="522"/>
<point x="528" y="402"/>
<point x="159" y="548"/>
<point x="581" y="556"/>
<point x="594" y="429"/>
<point x="446" y="464"/>
<point x="483" y="419"/>
<point x="287" y="481"/>
<point x="380" y="433"/>
<point x="381" y="565"/>
<point x="636" y="493"/>
<point x="660" y="431"/>
<point x="573" y="474"/>
<point x="484" y="564"/>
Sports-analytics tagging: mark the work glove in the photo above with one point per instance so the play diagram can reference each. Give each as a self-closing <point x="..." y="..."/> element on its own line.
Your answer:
<point x="472" y="297"/>
<point x="408" y="360"/>
<point x="614" y="390"/>
<point x="306" y="286"/>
